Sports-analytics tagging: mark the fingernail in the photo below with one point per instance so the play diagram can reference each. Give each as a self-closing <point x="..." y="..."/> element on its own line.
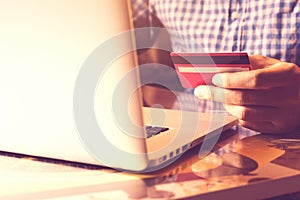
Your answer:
<point x="217" y="80"/>
<point x="202" y="92"/>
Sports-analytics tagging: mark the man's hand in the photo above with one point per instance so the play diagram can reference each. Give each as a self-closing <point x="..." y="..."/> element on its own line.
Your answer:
<point x="265" y="99"/>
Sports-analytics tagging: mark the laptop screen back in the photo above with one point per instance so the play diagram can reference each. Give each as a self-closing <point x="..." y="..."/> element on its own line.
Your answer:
<point x="44" y="46"/>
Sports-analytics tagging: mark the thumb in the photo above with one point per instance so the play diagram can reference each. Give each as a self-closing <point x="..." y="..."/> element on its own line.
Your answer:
<point x="260" y="62"/>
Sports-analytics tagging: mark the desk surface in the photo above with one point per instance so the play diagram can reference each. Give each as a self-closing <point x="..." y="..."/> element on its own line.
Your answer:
<point x="256" y="167"/>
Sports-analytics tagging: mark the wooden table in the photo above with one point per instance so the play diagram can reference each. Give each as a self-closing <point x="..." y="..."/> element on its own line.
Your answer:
<point x="255" y="167"/>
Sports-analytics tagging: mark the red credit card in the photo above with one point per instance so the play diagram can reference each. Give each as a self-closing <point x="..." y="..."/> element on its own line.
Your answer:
<point x="195" y="69"/>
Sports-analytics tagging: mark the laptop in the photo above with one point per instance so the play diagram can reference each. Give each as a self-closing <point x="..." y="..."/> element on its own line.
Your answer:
<point x="70" y="89"/>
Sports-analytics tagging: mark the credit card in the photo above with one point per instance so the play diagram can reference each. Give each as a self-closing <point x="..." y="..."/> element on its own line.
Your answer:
<point x="195" y="69"/>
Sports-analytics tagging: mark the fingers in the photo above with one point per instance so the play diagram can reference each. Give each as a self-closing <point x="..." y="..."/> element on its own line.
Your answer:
<point x="263" y="119"/>
<point x="271" y="97"/>
<point x="262" y="126"/>
<point x="275" y="110"/>
<point x="279" y="74"/>
<point x="260" y="62"/>
<point x="253" y="113"/>
<point x="255" y="118"/>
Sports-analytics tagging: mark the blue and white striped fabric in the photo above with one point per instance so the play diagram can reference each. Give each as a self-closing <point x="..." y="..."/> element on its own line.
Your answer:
<point x="266" y="27"/>
<point x="270" y="28"/>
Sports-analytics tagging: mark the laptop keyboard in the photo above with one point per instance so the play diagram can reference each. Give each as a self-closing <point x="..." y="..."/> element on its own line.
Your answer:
<point x="154" y="130"/>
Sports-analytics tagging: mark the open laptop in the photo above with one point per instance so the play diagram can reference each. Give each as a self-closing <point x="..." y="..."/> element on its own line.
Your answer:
<point x="57" y="101"/>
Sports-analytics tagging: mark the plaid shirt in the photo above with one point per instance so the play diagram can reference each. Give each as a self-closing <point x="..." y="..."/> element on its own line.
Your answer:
<point x="266" y="27"/>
